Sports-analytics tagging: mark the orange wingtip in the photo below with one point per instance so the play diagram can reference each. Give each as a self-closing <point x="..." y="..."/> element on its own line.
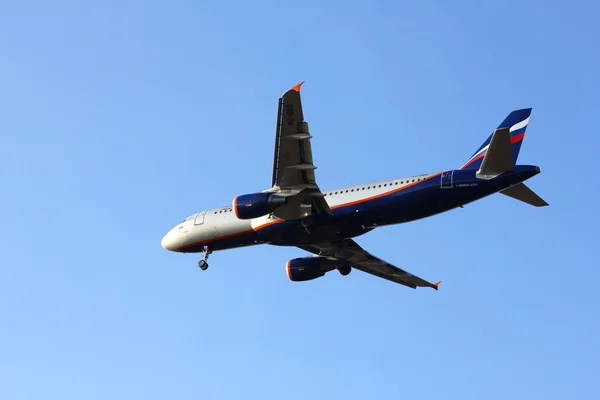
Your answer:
<point x="435" y="285"/>
<point x="297" y="87"/>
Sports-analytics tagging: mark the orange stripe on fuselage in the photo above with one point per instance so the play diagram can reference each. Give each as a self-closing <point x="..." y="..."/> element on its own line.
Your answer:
<point x="361" y="200"/>
<point x="268" y="224"/>
<point x="231" y="235"/>
<point x="333" y="208"/>
<point x="384" y="193"/>
<point x="215" y="239"/>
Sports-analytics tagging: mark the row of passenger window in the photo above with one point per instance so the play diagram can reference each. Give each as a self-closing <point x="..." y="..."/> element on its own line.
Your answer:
<point x="374" y="186"/>
<point x="349" y="190"/>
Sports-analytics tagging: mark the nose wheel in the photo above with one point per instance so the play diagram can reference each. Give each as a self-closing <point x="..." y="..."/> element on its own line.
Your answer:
<point x="203" y="264"/>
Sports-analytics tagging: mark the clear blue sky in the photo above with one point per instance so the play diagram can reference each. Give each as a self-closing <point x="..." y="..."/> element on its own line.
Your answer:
<point x="120" y="118"/>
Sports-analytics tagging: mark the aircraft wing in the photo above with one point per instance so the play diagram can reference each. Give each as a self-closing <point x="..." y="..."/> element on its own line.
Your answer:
<point x="293" y="168"/>
<point x="357" y="257"/>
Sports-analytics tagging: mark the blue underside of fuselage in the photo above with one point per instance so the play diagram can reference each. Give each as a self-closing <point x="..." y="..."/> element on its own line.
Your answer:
<point x="421" y="200"/>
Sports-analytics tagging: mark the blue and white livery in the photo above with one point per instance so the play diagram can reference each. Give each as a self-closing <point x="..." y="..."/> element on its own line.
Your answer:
<point x="295" y="211"/>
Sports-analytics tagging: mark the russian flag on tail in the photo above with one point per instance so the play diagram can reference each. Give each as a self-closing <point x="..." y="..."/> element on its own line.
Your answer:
<point x="517" y="122"/>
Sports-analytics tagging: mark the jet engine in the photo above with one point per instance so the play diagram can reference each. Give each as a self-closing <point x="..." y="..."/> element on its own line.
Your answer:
<point x="308" y="268"/>
<point x="256" y="205"/>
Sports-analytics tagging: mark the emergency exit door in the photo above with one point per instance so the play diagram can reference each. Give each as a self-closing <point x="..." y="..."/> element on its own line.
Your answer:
<point x="447" y="179"/>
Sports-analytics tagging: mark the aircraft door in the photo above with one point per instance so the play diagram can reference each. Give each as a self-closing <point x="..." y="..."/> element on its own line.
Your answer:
<point x="200" y="218"/>
<point x="446" y="182"/>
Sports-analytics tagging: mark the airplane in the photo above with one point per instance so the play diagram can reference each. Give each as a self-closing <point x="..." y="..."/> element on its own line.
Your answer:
<point x="296" y="212"/>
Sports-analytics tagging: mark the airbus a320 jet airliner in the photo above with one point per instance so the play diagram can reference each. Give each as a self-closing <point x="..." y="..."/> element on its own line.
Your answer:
<point x="296" y="212"/>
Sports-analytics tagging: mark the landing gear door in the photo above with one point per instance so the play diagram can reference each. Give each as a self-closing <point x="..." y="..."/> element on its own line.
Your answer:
<point x="200" y="218"/>
<point x="447" y="179"/>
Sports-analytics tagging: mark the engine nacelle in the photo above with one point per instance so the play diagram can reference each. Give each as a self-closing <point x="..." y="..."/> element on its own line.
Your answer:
<point x="256" y="205"/>
<point x="308" y="268"/>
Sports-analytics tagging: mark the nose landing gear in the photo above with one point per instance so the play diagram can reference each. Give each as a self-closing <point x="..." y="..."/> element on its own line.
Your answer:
<point x="203" y="264"/>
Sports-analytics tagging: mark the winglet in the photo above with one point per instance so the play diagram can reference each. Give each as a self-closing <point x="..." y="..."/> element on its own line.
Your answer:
<point x="297" y="87"/>
<point x="435" y="285"/>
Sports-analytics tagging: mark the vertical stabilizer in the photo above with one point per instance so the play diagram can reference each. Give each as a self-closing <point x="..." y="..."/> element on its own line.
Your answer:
<point x="516" y="122"/>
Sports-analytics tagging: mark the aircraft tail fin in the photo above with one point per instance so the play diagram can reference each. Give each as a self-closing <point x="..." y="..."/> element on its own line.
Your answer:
<point x="521" y="192"/>
<point x="505" y="142"/>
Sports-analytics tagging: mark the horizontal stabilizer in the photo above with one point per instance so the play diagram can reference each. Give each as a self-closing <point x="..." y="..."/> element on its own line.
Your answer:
<point x="524" y="194"/>
<point x="499" y="157"/>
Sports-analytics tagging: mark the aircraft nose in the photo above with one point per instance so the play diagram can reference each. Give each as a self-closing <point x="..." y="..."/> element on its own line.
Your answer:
<point x="170" y="241"/>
